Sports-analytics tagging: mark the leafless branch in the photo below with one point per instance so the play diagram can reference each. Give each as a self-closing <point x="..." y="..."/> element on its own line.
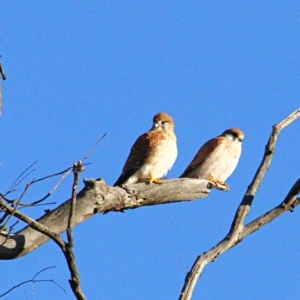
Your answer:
<point x="33" y="224"/>
<point x="3" y="76"/>
<point x="14" y="206"/>
<point x="289" y="203"/>
<point x="15" y="203"/>
<point x="94" y="147"/>
<point x="34" y="280"/>
<point x="20" y="178"/>
<point x="5" y="215"/>
<point x="35" y="204"/>
<point x="69" y="249"/>
<point x="236" y="232"/>
<point x="3" y="228"/>
<point x="64" y="174"/>
<point x="18" y="202"/>
<point x="97" y="197"/>
<point x="66" y="171"/>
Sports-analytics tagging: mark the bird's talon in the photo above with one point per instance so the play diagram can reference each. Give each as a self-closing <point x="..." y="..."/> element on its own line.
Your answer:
<point x="226" y="186"/>
<point x="154" y="180"/>
<point x="218" y="183"/>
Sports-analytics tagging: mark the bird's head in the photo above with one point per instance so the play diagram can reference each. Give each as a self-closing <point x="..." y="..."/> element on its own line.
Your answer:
<point x="234" y="134"/>
<point x="162" y="121"/>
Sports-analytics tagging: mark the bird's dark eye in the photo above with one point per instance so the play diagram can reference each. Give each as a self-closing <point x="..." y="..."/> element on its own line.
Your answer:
<point x="164" y="122"/>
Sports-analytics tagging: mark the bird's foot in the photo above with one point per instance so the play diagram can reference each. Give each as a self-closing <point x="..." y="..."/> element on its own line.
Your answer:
<point x="219" y="184"/>
<point x="152" y="179"/>
<point x="225" y="185"/>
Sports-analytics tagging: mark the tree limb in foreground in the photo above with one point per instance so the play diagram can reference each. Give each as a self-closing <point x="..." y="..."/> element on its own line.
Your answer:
<point x="238" y="230"/>
<point x="66" y="247"/>
<point x="95" y="197"/>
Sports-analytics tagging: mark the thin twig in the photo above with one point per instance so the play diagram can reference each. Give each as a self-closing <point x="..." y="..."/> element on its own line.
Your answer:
<point x="39" y="272"/>
<point x="33" y="280"/>
<point x="94" y="147"/>
<point x="5" y="215"/>
<point x="2" y="76"/>
<point x="5" y="198"/>
<point x="18" y="180"/>
<point x="35" y="204"/>
<point x="64" y="173"/>
<point x="7" y="233"/>
<point x="14" y="206"/>
<point x="67" y="171"/>
<point x="235" y="234"/>
<point x="2" y="73"/>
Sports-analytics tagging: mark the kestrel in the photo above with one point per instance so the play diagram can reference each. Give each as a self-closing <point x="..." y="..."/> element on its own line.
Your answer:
<point x="153" y="153"/>
<point x="217" y="159"/>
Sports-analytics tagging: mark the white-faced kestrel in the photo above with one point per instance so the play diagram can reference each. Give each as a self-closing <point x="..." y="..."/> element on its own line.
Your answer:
<point x="153" y="153"/>
<point x="217" y="159"/>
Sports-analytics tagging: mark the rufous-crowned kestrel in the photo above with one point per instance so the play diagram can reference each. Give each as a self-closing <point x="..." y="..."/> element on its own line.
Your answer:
<point x="153" y="153"/>
<point x="217" y="158"/>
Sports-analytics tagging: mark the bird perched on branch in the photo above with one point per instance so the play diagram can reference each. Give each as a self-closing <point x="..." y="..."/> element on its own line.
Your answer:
<point x="153" y="153"/>
<point x="217" y="159"/>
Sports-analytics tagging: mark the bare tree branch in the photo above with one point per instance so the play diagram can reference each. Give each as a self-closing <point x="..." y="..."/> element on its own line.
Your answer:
<point x="94" y="147"/>
<point x="69" y="249"/>
<point x="64" y="174"/>
<point x="96" y="197"/>
<point x="3" y="229"/>
<point x="235" y="234"/>
<point x="2" y="76"/>
<point x="20" y="178"/>
<point x="32" y="223"/>
<point x="289" y="203"/>
<point x="33" y="280"/>
<point x="14" y="206"/>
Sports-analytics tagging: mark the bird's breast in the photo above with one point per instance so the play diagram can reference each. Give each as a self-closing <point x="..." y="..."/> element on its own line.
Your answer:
<point x="162" y="157"/>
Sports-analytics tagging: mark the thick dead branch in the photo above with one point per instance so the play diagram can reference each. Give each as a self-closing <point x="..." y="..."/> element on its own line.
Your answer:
<point x="235" y="234"/>
<point x="95" y="197"/>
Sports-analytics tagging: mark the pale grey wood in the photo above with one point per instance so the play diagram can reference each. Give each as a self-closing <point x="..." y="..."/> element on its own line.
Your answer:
<point x="98" y="197"/>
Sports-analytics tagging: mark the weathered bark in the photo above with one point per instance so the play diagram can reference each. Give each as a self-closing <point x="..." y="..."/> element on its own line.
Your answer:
<point x="97" y="197"/>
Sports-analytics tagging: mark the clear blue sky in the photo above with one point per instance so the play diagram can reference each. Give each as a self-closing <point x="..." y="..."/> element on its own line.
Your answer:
<point x="78" y="69"/>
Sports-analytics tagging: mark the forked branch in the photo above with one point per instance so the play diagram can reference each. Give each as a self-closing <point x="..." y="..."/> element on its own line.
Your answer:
<point x="33" y="280"/>
<point x="66" y="247"/>
<point x="238" y="231"/>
